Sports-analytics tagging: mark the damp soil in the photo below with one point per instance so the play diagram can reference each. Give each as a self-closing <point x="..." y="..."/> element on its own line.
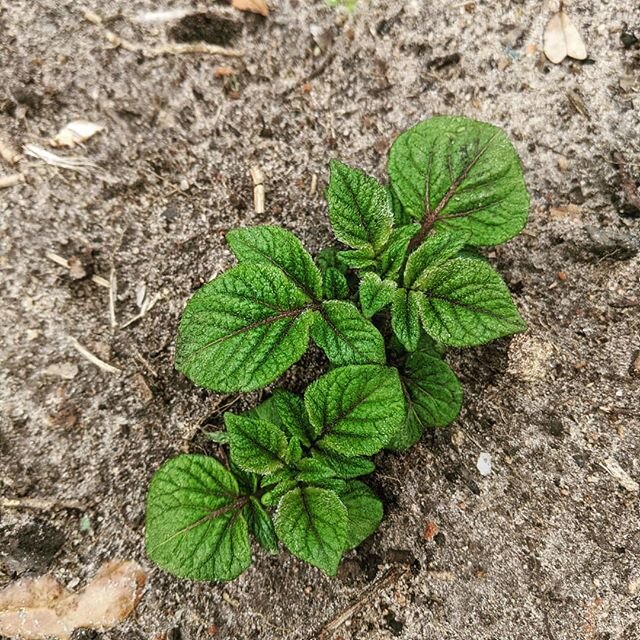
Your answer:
<point x="545" y="546"/>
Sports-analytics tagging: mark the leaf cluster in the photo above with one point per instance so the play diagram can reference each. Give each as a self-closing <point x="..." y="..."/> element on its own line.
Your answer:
<point x="407" y="282"/>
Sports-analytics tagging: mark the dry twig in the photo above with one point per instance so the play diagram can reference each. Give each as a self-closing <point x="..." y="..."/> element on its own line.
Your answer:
<point x="101" y="364"/>
<point x="390" y="577"/>
<point x="113" y="293"/>
<point x="257" y="175"/>
<point x="73" y="163"/>
<point x="40" y="504"/>
<point x="63" y="262"/>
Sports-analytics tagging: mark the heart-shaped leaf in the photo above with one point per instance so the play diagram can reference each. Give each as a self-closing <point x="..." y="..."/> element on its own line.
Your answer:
<point x="194" y="524"/>
<point x="346" y="336"/>
<point x="356" y="409"/>
<point x="255" y="445"/>
<point x="436" y="249"/>
<point x="243" y="329"/>
<point x="280" y="248"/>
<point x="461" y="175"/>
<point x="364" y="512"/>
<point x="433" y="397"/>
<point x="312" y="524"/>
<point x="261" y="526"/>
<point x="466" y="303"/>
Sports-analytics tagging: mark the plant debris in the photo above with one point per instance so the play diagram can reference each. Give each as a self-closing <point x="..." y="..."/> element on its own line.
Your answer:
<point x="614" y="469"/>
<point x="101" y="364"/>
<point x="253" y="6"/>
<point x="74" y="133"/>
<point x="7" y="151"/>
<point x="562" y="39"/>
<point x="34" y="608"/>
<point x="11" y="180"/>
<point x="73" y="163"/>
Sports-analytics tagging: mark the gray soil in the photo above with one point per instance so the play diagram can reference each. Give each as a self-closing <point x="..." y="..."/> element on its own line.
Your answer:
<point x="545" y="546"/>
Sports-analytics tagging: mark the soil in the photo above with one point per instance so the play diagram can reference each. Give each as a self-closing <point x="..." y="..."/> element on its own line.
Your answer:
<point x="545" y="546"/>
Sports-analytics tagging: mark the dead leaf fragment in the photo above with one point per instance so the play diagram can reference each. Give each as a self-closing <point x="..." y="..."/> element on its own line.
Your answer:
<point x="618" y="473"/>
<point x="562" y="39"/>
<point x="76" y="132"/>
<point x="64" y="370"/>
<point x="37" y="608"/>
<point x="253" y="6"/>
<point x="430" y="531"/>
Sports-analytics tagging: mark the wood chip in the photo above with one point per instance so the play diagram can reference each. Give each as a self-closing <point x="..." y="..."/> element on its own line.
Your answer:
<point x="11" y="180"/>
<point x="38" y="608"/>
<point x="571" y="211"/>
<point x="223" y="72"/>
<point x="257" y="175"/>
<point x="7" y="151"/>
<point x="254" y="6"/>
<point x="562" y="39"/>
<point x="142" y="388"/>
<point x="41" y="504"/>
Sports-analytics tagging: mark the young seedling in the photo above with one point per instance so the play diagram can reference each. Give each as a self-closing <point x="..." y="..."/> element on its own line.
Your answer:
<point x="421" y="286"/>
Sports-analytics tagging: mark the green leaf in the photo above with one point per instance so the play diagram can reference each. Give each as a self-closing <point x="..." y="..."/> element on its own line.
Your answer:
<point x="359" y="208"/>
<point x="266" y="410"/>
<point x="311" y="470"/>
<point x="312" y="524"/>
<point x="344" y="467"/>
<point x="463" y="175"/>
<point x="242" y="330"/>
<point x="466" y="303"/>
<point x="405" y="319"/>
<point x="364" y="512"/>
<point x="194" y="523"/>
<point x="437" y="248"/>
<point x="334" y="484"/>
<point x="280" y="248"/>
<point x="335" y="285"/>
<point x="375" y="294"/>
<point x="294" y="451"/>
<point x="261" y="526"/>
<point x="400" y="216"/>
<point x="271" y="498"/>
<point x="219" y="437"/>
<point x="328" y="257"/>
<point x="247" y="481"/>
<point x="293" y="416"/>
<point x="281" y="475"/>
<point x="357" y="259"/>
<point x="357" y="409"/>
<point x="433" y="397"/>
<point x="391" y="259"/>
<point x="255" y="445"/>
<point x="346" y="336"/>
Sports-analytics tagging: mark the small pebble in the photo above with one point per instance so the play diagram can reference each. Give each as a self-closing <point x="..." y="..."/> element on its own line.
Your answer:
<point x="484" y="463"/>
